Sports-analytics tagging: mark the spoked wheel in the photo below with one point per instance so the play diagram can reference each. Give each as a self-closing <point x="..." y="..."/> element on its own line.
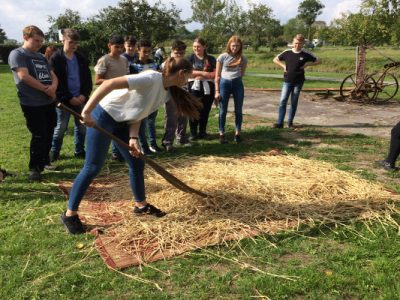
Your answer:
<point x="387" y="86"/>
<point x="365" y="90"/>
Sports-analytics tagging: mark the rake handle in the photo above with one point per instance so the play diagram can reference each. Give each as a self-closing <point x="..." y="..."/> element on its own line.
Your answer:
<point x="160" y="170"/>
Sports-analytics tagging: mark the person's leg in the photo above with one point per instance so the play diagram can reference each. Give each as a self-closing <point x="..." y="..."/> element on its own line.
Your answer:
<point x="59" y="132"/>
<point x="194" y="124"/>
<point x="394" y="149"/>
<point x="294" y="99"/>
<point x="37" y="121"/>
<point x="97" y="145"/>
<point x="225" y="91"/>
<point x="286" y="90"/>
<point x="79" y="135"/>
<point x="181" y="130"/>
<point x="238" y="97"/>
<point x="142" y="137"/>
<point x="205" y="111"/>
<point x="151" y="127"/>
<point x="171" y="120"/>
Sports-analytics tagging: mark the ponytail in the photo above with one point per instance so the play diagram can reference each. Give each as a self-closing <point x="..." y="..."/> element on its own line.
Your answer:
<point x="186" y="104"/>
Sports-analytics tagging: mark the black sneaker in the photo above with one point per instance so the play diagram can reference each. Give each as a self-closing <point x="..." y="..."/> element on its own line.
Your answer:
<point x="290" y="125"/>
<point x="276" y="125"/>
<point x="34" y="175"/>
<point x="81" y="155"/>
<point x="193" y="137"/>
<point x="117" y="157"/>
<point x="72" y="224"/>
<point x="237" y="139"/>
<point x="222" y="139"/>
<point x="168" y="147"/>
<point x="149" y="210"/>
<point x="387" y="165"/>
<point x="155" y="149"/>
<point x="146" y="151"/>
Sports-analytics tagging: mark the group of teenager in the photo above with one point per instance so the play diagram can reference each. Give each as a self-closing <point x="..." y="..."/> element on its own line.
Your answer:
<point x="131" y="88"/>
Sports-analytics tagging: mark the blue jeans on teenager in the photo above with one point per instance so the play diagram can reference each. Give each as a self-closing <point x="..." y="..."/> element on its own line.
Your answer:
<point x="148" y="123"/>
<point x="288" y="89"/>
<point x="62" y="125"/>
<point x="97" y="145"/>
<point x="226" y="88"/>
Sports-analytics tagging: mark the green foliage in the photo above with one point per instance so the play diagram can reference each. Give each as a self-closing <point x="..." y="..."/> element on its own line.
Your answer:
<point x="3" y="36"/>
<point x="293" y="27"/>
<point x="5" y="51"/>
<point x="308" y="11"/>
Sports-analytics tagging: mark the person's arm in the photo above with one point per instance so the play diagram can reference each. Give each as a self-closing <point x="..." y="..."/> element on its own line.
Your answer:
<point x="312" y="63"/>
<point x="217" y="79"/>
<point x="99" y="79"/>
<point x="23" y="75"/>
<point x="100" y="93"/>
<point x="133" y="138"/>
<point x="278" y="62"/>
<point x="52" y="89"/>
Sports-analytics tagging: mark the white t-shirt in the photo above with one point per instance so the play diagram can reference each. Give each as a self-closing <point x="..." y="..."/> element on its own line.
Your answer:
<point x="144" y="95"/>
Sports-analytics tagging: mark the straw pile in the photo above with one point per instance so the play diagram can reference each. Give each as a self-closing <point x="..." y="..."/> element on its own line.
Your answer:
<point x="250" y="195"/>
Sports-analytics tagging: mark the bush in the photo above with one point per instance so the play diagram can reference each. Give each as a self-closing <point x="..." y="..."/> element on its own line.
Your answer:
<point x="5" y="52"/>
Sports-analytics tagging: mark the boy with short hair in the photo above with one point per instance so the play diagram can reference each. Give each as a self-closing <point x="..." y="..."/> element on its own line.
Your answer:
<point x="143" y="63"/>
<point x="174" y="124"/>
<point x="110" y="66"/>
<point x="130" y="51"/>
<point x="36" y="84"/>
<point x="74" y="88"/>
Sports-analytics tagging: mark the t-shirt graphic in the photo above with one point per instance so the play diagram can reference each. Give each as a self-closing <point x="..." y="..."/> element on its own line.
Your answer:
<point x="42" y="72"/>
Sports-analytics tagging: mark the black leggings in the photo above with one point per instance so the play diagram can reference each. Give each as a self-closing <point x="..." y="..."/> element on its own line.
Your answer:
<point x="207" y="101"/>
<point x="394" y="149"/>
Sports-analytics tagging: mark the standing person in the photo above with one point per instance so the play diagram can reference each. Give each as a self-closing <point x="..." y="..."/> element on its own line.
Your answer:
<point x="295" y="61"/>
<point x="175" y="125"/>
<point x="118" y="106"/>
<point x="389" y="163"/>
<point x="110" y="66"/>
<point x="74" y="88"/>
<point x="36" y="84"/>
<point x="231" y="67"/>
<point x="159" y="55"/>
<point x="143" y="63"/>
<point x="50" y="50"/>
<point x="201" y="85"/>
<point x="130" y="51"/>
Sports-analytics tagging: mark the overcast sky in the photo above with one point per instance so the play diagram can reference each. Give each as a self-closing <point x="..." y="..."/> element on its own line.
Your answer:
<point x="16" y="14"/>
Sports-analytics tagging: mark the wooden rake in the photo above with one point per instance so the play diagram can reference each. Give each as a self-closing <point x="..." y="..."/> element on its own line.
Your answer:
<point x="160" y="170"/>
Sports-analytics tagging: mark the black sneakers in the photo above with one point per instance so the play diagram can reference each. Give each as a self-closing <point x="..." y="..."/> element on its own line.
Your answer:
<point x="72" y="224"/>
<point x="276" y="125"/>
<point x="149" y="210"/>
<point x="34" y="175"/>
<point x="237" y="139"/>
<point x="222" y="139"/>
<point x="387" y="166"/>
<point x="155" y="149"/>
<point x="80" y="155"/>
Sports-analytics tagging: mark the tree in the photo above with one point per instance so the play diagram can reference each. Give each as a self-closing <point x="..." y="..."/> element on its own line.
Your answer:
<point x="220" y="18"/>
<point x="259" y="26"/>
<point x="3" y="36"/>
<point x="308" y="11"/>
<point x="68" y="19"/>
<point x="293" y="27"/>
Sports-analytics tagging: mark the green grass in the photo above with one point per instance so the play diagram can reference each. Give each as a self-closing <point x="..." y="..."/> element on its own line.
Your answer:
<point x="38" y="260"/>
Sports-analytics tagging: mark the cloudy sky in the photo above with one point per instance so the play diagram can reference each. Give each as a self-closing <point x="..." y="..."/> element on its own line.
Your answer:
<point x="16" y="14"/>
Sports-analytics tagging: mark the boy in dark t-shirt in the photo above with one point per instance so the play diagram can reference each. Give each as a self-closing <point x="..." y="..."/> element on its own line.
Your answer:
<point x="295" y="61"/>
<point x="36" y="84"/>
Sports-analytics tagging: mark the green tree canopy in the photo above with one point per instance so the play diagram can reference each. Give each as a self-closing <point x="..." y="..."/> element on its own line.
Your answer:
<point x="308" y="11"/>
<point x="3" y="36"/>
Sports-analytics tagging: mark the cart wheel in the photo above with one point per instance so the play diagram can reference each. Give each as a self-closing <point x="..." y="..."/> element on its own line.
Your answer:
<point x="349" y="88"/>
<point x="387" y="86"/>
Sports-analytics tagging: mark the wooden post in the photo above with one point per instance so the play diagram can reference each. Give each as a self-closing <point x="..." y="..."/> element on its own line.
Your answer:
<point x="360" y="64"/>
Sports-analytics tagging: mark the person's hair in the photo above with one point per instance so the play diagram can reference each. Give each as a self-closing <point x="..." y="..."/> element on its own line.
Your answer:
<point x="203" y="43"/>
<point x="178" y="45"/>
<point x="130" y="39"/>
<point x="116" y="40"/>
<point x="187" y="104"/>
<point x="299" y="37"/>
<point x="31" y="30"/>
<point x="238" y="55"/>
<point x="72" y="34"/>
<point x="49" y="51"/>
<point x="144" y="43"/>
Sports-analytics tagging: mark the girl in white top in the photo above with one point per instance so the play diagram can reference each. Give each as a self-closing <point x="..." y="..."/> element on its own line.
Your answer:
<point x="118" y="106"/>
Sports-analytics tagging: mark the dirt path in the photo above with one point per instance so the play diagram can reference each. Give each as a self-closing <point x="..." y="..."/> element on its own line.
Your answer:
<point x="352" y="117"/>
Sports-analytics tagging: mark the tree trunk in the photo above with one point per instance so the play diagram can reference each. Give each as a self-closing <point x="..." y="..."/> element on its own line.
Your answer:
<point x="360" y="64"/>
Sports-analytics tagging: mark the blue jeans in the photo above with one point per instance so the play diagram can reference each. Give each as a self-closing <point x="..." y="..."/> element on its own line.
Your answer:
<point x="288" y="89"/>
<point x="226" y="88"/>
<point x="150" y="124"/>
<point x="97" y="146"/>
<point x="61" y="128"/>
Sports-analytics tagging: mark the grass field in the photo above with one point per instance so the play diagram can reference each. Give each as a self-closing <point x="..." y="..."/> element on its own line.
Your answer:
<point x="38" y="260"/>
